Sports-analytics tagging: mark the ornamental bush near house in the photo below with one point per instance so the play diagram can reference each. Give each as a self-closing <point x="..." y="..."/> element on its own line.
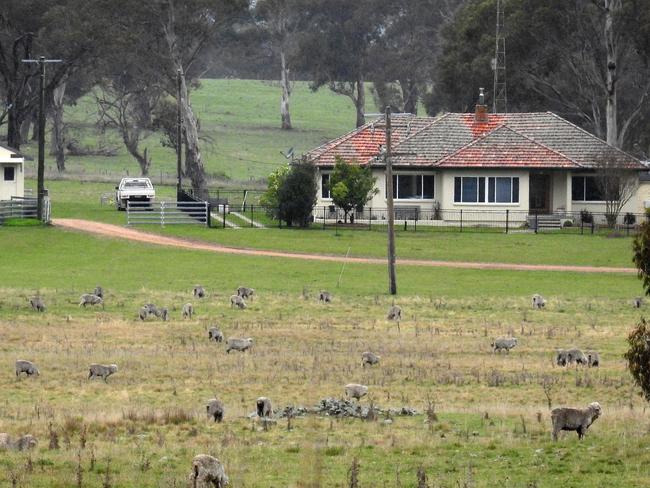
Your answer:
<point x="297" y="195"/>
<point x="351" y="186"/>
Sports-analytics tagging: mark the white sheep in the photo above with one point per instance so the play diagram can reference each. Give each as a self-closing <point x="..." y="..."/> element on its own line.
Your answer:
<point x="102" y="371"/>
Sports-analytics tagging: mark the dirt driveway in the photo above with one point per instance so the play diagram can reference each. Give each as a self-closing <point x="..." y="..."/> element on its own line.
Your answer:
<point x="119" y="232"/>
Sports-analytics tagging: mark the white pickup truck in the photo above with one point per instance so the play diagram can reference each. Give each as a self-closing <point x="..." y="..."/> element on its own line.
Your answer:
<point x="135" y="190"/>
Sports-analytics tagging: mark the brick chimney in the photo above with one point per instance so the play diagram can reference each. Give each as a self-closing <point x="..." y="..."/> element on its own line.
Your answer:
<point x="481" y="112"/>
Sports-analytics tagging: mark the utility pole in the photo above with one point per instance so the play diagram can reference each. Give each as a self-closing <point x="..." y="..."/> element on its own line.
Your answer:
<point x="392" y="277"/>
<point x="179" y="133"/>
<point x="500" y="92"/>
<point x="40" y="192"/>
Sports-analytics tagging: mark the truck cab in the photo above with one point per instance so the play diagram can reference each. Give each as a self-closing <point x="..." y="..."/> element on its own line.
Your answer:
<point x="134" y="190"/>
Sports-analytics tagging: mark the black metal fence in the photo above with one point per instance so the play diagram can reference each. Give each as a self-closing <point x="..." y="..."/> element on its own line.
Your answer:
<point x="415" y="219"/>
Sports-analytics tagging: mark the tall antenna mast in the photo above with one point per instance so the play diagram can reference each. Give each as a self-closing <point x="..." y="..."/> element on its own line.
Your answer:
<point x="500" y="93"/>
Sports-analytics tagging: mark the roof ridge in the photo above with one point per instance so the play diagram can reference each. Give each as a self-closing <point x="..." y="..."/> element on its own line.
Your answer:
<point x="534" y="141"/>
<point x="344" y="137"/>
<point x="469" y="144"/>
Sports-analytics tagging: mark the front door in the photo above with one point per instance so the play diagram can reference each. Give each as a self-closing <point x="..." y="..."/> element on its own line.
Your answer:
<point x="539" y="192"/>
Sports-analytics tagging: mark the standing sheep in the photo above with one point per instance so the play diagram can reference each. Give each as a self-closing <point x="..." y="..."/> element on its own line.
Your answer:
<point x="370" y="358"/>
<point x="198" y="291"/>
<point x="570" y="356"/>
<point x="215" y="409"/>
<point x="26" y="367"/>
<point x="637" y="302"/>
<point x="188" y="311"/>
<point x="238" y="301"/>
<point x="578" y="419"/>
<point x="102" y="371"/>
<point x="208" y="471"/>
<point x="37" y="303"/>
<point x="593" y="359"/>
<point x="25" y="443"/>
<point x="264" y="408"/>
<point x="245" y="292"/>
<point x="394" y="313"/>
<point x="214" y="334"/>
<point x="538" y="301"/>
<point x="325" y="297"/>
<point x="89" y="299"/>
<point x="234" y="344"/>
<point x="356" y="391"/>
<point x="99" y="291"/>
<point x="504" y="344"/>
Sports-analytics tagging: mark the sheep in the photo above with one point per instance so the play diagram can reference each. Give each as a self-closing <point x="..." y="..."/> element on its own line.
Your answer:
<point x="370" y="358"/>
<point x="578" y="419"/>
<point x="394" y="313"/>
<point x="99" y="292"/>
<point x="238" y="301"/>
<point x="26" y="367"/>
<point x="593" y="359"/>
<point x="89" y="299"/>
<point x="208" y="471"/>
<point x="538" y="301"/>
<point x="25" y="443"/>
<point x="245" y="292"/>
<point x="215" y="410"/>
<point x="504" y="344"/>
<point x="214" y="334"/>
<point x="325" y="297"/>
<point x="102" y="371"/>
<point x="5" y="441"/>
<point x="143" y="313"/>
<point x="570" y="356"/>
<point x="356" y="391"/>
<point x="188" y="310"/>
<point x="151" y="309"/>
<point x="637" y="302"/>
<point x="198" y="291"/>
<point x="264" y="407"/>
<point x="37" y="304"/>
<point x="234" y="344"/>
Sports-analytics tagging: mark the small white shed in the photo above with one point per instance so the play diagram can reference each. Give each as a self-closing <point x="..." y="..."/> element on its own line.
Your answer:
<point x="12" y="174"/>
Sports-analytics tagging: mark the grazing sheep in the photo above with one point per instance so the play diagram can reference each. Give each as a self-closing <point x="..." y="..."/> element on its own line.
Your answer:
<point x="198" y="291"/>
<point x="504" y="344"/>
<point x="394" y="313"/>
<point x="570" y="356"/>
<point x="5" y="441"/>
<point x="325" y="297"/>
<point x="89" y="299"/>
<point x="234" y="344"/>
<point x="578" y="419"/>
<point x="143" y="313"/>
<point x="25" y="443"/>
<point x="214" y="334"/>
<point x="637" y="302"/>
<point x="188" y="311"/>
<point x="593" y="359"/>
<point x="238" y="301"/>
<point x="245" y="292"/>
<point x="370" y="358"/>
<point x="99" y="292"/>
<point x="102" y="371"/>
<point x="208" y="471"/>
<point x="538" y="301"/>
<point x="264" y="408"/>
<point x="356" y="391"/>
<point x="215" y="409"/>
<point x="26" y="367"/>
<point x="150" y="309"/>
<point x="37" y="304"/>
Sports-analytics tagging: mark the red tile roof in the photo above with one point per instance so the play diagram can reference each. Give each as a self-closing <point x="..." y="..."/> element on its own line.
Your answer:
<point x="538" y="140"/>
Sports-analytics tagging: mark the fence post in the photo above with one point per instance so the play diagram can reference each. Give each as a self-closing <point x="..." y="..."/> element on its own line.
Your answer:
<point x="324" y="210"/>
<point x="370" y="219"/>
<point x="582" y="226"/>
<point x="252" y="214"/>
<point x="592" y="226"/>
<point x="461" y="220"/>
<point x="536" y="222"/>
<point x="162" y="214"/>
<point x="207" y="214"/>
<point x="507" y="219"/>
<point x="224" y="215"/>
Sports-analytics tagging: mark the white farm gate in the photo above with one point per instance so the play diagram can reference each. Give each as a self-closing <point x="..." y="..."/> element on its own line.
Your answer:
<point x="168" y="213"/>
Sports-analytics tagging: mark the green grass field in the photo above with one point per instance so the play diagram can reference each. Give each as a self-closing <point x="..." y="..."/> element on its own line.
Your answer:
<point x="146" y="424"/>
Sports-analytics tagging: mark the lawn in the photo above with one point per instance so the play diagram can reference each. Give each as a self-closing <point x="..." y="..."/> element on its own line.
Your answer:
<point x="490" y="421"/>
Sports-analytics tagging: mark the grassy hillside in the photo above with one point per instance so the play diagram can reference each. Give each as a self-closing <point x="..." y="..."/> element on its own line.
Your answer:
<point x="239" y="122"/>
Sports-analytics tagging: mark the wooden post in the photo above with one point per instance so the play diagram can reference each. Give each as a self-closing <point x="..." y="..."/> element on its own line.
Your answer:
<point x="392" y="277"/>
<point x="179" y="133"/>
<point x="40" y="192"/>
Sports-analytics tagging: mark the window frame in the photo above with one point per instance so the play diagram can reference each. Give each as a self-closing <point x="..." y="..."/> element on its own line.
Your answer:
<point x="419" y="185"/>
<point x="484" y="186"/>
<point x="4" y="173"/>
<point x="329" y="190"/>
<point x="584" y="189"/>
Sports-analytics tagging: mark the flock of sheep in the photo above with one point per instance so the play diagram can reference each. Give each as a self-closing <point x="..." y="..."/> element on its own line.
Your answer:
<point x="209" y="470"/>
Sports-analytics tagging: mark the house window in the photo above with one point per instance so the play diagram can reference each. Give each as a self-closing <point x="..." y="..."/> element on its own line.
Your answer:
<point x="10" y="173"/>
<point x="585" y="189"/>
<point x="475" y="189"/>
<point x="325" y="185"/>
<point x="413" y="187"/>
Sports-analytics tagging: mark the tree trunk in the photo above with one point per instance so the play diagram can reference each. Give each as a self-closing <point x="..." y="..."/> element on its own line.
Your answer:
<point x="410" y="96"/>
<point x="194" y="168"/>
<point x="611" y="7"/>
<point x="286" y="93"/>
<point x="24" y="129"/>
<point x="360" y="103"/>
<point x="131" y="143"/>
<point x="58" y="136"/>
<point x="13" y="128"/>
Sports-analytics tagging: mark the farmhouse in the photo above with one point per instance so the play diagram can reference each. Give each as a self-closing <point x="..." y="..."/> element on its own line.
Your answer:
<point x="527" y="163"/>
<point x="12" y="174"/>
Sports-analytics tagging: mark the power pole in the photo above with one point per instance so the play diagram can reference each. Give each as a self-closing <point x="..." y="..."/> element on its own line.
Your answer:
<point x="500" y="92"/>
<point x="40" y="192"/>
<point x="392" y="277"/>
<point x="179" y="134"/>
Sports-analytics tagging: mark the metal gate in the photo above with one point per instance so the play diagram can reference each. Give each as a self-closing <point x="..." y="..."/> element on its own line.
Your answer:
<point x="168" y="213"/>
